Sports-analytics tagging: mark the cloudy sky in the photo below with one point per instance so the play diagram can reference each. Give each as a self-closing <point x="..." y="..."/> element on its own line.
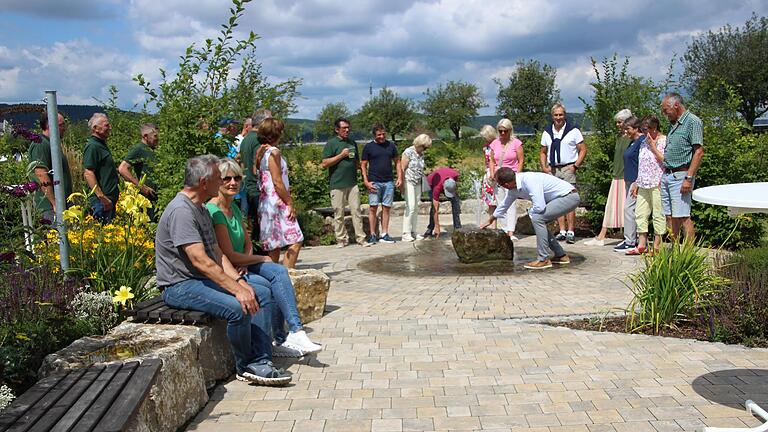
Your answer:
<point x="340" y="47"/>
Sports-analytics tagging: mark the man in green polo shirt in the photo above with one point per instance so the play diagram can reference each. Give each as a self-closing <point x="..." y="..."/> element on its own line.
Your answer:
<point x="342" y="159"/>
<point x="682" y="157"/>
<point x="142" y="159"/>
<point x="100" y="172"/>
<point x="248" y="148"/>
<point x="40" y="156"/>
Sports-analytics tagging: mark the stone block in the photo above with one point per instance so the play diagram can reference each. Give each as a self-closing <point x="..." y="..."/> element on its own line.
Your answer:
<point x="477" y="245"/>
<point x="311" y="288"/>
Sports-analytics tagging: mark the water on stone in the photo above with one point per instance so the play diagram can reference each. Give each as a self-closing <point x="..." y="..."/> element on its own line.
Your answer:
<point x="437" y="258"/>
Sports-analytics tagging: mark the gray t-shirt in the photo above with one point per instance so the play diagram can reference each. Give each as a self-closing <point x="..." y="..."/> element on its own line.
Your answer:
<point x="183" y="222"/>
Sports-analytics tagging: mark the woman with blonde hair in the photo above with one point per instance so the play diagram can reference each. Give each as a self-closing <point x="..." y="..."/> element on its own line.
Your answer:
<point x="507" y="151"/>
<point x="412" y="164"/>
<point x="235" y="242"/>
<point x="488" y="188"/>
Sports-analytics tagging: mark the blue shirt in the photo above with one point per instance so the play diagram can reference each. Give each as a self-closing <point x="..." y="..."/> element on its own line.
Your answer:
<point x="380" y="157"/>
<point x="538" y="187"/>
<point x="631" y="155"/>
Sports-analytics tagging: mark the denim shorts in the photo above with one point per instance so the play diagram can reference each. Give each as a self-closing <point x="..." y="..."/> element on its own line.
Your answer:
<point x="673" y="202"/>
<point x="384" y="195"/>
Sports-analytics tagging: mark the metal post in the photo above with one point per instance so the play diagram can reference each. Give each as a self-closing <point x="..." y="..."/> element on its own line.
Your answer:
<point x="58" y="170"/>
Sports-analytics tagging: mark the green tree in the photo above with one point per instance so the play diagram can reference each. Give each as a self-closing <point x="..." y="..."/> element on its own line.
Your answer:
<point x="528" y="94"/>
<point x="324" y="125"/>
<point x="452" y="105"/>
<point x="388" y="108"/>
<point x="614" y="89"/>
<point x="190" y="102"/>
<point x="736" y="57"/>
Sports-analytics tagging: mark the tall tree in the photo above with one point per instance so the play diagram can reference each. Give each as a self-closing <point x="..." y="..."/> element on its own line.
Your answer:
<point x="324" y="125"/>
<point x="528" y="94"/>
<point x="731" y="57"/>
<point x="452" y="105"/>
<point x="388" y="108"/>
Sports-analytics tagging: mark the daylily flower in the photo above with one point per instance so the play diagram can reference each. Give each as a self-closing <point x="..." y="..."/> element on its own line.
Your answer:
<point x="122" y="295"/>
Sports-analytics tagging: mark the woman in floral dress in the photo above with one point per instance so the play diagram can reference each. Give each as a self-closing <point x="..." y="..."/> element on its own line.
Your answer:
<point x="277" y="216"/>
<point x="487" y="192"/>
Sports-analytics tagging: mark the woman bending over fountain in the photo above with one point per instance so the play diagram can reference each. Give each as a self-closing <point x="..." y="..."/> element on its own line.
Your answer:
<point x="412" y="163"/>
<point x="235" y="241"/>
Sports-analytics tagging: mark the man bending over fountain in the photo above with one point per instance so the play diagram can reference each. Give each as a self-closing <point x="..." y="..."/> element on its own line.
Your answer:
<point x="551" y="199"/>
<point x="193" y="274"/>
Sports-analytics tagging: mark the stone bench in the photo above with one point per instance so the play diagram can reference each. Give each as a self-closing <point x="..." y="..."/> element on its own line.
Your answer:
<point x="98" y="398"/>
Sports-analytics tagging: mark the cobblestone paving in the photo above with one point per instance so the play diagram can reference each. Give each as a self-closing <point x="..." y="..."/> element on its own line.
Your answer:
<point x="434" y="353"/>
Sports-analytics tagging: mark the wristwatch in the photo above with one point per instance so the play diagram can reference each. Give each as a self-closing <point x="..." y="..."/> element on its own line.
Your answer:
<point x="240" y="278"/>
<point x="687" y="177"/>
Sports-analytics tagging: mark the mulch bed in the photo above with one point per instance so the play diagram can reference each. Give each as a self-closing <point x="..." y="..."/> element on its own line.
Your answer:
<point x="618" y="325"/>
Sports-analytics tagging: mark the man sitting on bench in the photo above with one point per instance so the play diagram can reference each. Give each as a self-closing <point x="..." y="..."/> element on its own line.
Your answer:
<point x="194" y="274"/>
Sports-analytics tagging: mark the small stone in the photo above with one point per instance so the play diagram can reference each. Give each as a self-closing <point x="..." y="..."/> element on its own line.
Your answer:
<point x="474" y="245"/>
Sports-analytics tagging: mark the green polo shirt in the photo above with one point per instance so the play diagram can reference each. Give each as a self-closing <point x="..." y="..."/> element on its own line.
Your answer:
<point x="143" y="159"/>
<point x="40" y="155"/>
<point x="248" y="149"/>
<point x="98" y="158"/>
<point x="687" y="132"/>
<point x="343" y="174"/>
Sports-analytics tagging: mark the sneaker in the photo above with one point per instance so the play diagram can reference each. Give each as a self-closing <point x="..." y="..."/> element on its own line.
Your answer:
<point x="418" y="237"/>
<point x="300" y="341"/>
<point x="285" y="351"/>
<point x="341" y="244"/>
<point x="264" y="374"/>
<point x="623" y="247"/>
<point x="594" y="242"/>
<point x="386" y="239"/>
<point x="570" y="237"/>
<point x="538" y="265"/>
<point x="565" y="259"/>
<point x="560" y="236"/>
<point x="407" y="238"/>
<point x="372" y="240"/>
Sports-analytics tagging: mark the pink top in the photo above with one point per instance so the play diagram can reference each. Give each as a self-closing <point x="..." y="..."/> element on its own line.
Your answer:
<point x="510" y="156"/>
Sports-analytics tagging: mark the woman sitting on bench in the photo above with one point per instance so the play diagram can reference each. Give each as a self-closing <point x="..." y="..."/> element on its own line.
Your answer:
<point x="235" y="241"/>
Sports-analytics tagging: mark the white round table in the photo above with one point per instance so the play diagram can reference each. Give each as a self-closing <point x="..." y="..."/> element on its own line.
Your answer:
<point x="738" y="197"/>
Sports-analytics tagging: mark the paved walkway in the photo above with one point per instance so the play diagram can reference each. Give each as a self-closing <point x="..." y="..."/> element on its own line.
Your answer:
<point x="439" y="353"/>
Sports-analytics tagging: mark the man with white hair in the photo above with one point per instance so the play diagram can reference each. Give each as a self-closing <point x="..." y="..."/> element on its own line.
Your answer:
<point x="100" y="172"/>
<point x="562" y="153"/>
<point x="193" y="273"/>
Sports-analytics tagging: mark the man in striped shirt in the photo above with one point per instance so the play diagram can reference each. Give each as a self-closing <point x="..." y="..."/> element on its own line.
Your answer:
<point x="682" y="158"/>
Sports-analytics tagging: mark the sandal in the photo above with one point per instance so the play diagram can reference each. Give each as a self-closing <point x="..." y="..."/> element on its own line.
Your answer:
<point x="636" y="251"/>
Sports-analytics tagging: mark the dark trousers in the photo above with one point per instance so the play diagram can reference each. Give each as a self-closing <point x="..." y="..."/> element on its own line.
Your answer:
<point x="253" y="213"/>
<point x="455" y="212"/>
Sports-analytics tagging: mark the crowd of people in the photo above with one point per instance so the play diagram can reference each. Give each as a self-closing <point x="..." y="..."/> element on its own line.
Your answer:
<point x="204" y="242"/>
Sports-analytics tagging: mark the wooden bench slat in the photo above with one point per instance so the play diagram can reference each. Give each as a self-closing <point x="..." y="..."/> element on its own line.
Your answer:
<point x="196" y="316"/>
<point x="82" y="379"/>
<point x="178" y="315"/>
<point x="92" y="393"/>
<point x="167" y="315"/>
<point x="143" y="314"/>
<point x="155" y="313"/>
<point x="143" y="305"/>
<point x="107" y="397"/>
<point x="25" y="402"/>
<point x="131" y="397"/>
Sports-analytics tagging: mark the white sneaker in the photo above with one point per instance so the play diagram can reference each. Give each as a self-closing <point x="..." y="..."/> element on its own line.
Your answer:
<point x="594" y="242"/>
<point x="408" y="238"/>
<point x="300" y="341"/>
<point x="417" y="236"/>
<point x="284" y="351"/>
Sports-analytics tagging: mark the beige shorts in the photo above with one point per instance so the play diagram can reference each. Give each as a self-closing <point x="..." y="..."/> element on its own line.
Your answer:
<point x="567" y="173"/>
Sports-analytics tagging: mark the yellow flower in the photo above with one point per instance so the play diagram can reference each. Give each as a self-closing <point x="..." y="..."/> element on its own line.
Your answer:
<point x="93" y="275"/>
<point x="73" y="214"/>
<point x="22" y="337"/>
<point x="122" y="295"/>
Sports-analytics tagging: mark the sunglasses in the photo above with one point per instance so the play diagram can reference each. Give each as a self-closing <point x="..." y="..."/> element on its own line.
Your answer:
<point x="228" y="179"/>
<point x="503" y="130"/>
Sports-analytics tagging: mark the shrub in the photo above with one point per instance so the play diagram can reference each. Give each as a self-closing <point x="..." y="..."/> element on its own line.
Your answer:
<point x="676" y="283"/>
<point x="741" y="309"/>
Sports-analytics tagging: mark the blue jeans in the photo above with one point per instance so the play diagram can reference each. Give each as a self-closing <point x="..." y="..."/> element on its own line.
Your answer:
<point x="455" y="212"/>
<point x="384" y="195"/>
<point x="102" y="215"/>
<point x="276" y="278"/>
<point x="249" y="335"/>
